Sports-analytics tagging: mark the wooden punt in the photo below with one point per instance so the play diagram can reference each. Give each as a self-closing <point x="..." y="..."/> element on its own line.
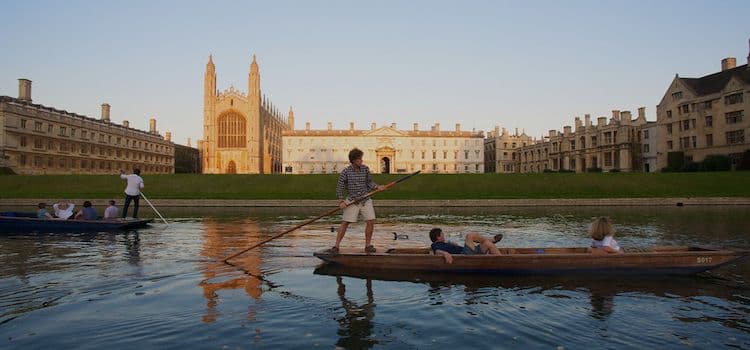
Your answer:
<point x="661" y="259"/>
<point x="18" y="223"/>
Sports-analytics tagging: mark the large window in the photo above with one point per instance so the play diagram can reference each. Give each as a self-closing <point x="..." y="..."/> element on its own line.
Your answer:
<point x="734" y="117"/>
<point x="737" y="136"/>
<point x="232" y="131"/>
<point x="733" y="98"/>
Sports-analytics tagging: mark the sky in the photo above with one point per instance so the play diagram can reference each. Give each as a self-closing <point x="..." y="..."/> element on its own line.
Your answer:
<point x="532" y="65"/>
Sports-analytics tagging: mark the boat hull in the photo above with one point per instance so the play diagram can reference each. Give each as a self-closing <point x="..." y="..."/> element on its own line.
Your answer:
<point x="658" y="260"/>
<point x="21" y="223"/>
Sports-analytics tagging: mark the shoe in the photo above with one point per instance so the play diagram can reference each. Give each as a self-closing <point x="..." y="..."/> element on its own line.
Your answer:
<point x="498" y="237"/>
<point x="370" y="249"/>
<point x="333" y="250"/>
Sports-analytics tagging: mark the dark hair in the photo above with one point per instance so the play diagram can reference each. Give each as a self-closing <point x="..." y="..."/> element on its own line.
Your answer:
<point x="42" y="205"/>
<point x="86" y="204"/>
<point x="355" y="154"/>
<point x="111" y="202"/>
<point x="137" y="171"/>
<point x="434" y="233"/>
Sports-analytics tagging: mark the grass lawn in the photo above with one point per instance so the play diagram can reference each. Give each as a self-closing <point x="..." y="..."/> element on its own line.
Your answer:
<point x="423" y="186"/>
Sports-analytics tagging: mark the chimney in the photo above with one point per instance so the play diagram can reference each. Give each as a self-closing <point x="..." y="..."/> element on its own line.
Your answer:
<point x="372" y="126"/>
<point x="516" y="131"/>
<point x="437" y="126"/>
<point x="105" y="112"/>
<point x="416" y="126"/>
<point x="642" y="112"/>
<point x="330" y="126"/>
<point x="552" y="133"/>
<point x="24" y="89"/>
<point x="168" y="136"/>
<point x="567" y="129"/>
<point x="505" y="131"/>
<point x="458" y="127"/>
<point x="615" y="114"/>
<point x="587" y="120"/>
<point x="728" y="63"/>
<point x="307" y="126"/>
<point x="393" y="125"/>
<point x="497" y="131"/>
<point x="152" y="125"/>
<point x="601" y="121"/>
<point x="626" y="115"/>
<point x="351" y="126"/>
<point x="126" y="123"/>
<point x="190" y="144"/>
<point x="578" y="123"/>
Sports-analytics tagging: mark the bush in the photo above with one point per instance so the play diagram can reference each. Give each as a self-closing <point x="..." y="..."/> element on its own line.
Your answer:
<point x="675" y="161"/>
<point x="594" y="170"/>
<point x="615" y="170"/>
<point x="548" y="171"/>
<point x="690" y="166"/>
<point x="716" y="163"/>
<point x="6" y="171"/>
<point x="745" y="161"/>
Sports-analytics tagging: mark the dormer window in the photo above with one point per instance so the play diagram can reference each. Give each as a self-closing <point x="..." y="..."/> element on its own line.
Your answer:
<point x="676" y="95"/>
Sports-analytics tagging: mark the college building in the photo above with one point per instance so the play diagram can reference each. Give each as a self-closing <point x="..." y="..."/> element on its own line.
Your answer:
<point x="386" y="149"/>
<point x="706" y="116"/>
<point x="36" y="139"/>
<point x="500" y="150"/>
<point x="613" y="145"/>
<point x="241" y="132"/>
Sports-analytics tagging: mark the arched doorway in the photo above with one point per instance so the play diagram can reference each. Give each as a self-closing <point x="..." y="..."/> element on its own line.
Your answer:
<point x="385" y="165"/>
<point x="231" y="167"/>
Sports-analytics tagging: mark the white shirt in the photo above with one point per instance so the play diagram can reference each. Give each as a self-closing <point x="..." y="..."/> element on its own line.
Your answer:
<point x="135" y="183"/>
<point x="609" y="241"/>
<point x="63" y="213"/>
<point x="110" y="212"/>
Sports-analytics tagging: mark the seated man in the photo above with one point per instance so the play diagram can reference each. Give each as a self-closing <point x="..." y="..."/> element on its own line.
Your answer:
<point x="87" y="213"/>
<point x="474" y="243"/>
<point x="42" y="213"/>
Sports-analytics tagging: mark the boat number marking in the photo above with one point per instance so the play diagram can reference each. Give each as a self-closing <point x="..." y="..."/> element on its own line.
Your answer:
<point x="704" y="259"/>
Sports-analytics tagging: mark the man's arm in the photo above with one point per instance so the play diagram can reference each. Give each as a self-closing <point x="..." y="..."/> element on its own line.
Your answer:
<point x="448" y="257"/>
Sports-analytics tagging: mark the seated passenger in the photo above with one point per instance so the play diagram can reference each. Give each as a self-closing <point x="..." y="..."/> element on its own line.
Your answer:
<point x="63" y="210"/>
<point x="602" y="233"/>
<point x="111" y="211"/>
<point x="87" y="213"/>
<point x="42" y="213"/>
<point x="474" y="243"/>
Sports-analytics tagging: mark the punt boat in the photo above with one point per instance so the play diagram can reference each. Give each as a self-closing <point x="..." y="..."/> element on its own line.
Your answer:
<point x="19" y="222"/>
<point x="652" y="260"/>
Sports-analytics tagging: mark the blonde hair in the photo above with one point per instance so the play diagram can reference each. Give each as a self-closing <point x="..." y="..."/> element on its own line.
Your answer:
<point x="601" y="227"/>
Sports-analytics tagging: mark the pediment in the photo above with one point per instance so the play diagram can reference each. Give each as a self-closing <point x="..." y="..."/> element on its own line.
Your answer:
<point x="734" y="84"/>
<point x="384" y="131"/>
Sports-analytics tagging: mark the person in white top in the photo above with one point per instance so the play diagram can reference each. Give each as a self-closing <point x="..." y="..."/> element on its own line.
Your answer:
<point x="63" y="210"/>
<point x="111" y="211"/>
<point x="602" y="233"/>
<point x="132" y="191"/>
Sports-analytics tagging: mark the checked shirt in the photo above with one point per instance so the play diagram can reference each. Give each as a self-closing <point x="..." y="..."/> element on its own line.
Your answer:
<point x="356" y="182"/>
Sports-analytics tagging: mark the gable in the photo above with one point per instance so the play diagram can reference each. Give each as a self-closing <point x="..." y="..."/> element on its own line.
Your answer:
<point x="384" y="131"/>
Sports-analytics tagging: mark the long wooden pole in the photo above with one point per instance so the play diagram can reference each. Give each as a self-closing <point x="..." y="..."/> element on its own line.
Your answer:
<point x="330" y="212"/>
<point x="154" y="208"/>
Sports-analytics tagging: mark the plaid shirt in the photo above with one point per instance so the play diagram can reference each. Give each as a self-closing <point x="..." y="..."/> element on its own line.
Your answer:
<point x="357" y="182"/>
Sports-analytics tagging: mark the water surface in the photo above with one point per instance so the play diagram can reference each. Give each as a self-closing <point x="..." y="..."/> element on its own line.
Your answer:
<point x="165" y="287"/>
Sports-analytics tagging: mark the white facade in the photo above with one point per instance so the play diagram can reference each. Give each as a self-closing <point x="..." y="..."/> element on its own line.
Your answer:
<point x="649" y="141"/>
<point x="386" y="150"/>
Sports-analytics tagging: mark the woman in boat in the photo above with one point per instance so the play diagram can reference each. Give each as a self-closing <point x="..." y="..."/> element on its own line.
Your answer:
<point x="603" y="233"/>
<point x="63" y="210"/>
<point x="474" y="244"/>
<point x="42" y="213"/>
<point x="87" y="213"/>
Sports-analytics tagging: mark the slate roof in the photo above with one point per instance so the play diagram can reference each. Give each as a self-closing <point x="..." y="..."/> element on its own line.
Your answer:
<point x="713" y="83"/>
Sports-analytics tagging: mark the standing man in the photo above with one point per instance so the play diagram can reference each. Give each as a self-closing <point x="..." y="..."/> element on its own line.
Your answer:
<point x="132" y="191"/>
<point x="356" y="180"/>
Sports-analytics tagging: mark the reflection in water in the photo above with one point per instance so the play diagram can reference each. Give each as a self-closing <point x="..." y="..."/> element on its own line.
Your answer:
<point x="219" y="240"/>
<point x="355" y="327"/>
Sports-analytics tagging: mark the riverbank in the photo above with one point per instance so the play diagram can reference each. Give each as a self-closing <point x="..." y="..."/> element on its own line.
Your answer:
<point x="306" y="203"/>
<point x="433" y="187"/>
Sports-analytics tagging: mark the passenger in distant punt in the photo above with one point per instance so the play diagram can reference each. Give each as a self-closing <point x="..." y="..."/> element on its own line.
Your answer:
<point x="474" y="244"/>
<point x="87" y="213"/>
<point x="42" y="213"/>
<point x="111" y="211"/>
<point x="603" y="233"/>
<point x="63" y="210"/>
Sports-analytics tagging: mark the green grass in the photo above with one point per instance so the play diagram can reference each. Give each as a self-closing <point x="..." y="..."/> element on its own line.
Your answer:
<point x="423" y="186"/>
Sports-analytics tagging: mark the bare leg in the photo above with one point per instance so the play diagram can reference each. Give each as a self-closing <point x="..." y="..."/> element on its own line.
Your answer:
<point x="340" y="234"/>
<point x="485" y="244"/>
<point x="368" y="232"/>
<point x="488" y="246"/>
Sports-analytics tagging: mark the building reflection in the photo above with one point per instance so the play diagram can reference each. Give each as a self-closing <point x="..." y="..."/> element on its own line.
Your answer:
<point x="355" y="327"/>
<point x="219" y="241"/>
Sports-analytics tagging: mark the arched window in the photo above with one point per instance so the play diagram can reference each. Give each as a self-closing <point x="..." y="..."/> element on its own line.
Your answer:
<point x="232" y="130"/>
<point x="231" y="167"/>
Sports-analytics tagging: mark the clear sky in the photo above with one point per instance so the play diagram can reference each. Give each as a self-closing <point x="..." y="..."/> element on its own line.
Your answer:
<point x="534" y="65"/>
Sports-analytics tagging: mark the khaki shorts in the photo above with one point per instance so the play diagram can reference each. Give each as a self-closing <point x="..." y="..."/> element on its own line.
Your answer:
<point x="365" y="208"/>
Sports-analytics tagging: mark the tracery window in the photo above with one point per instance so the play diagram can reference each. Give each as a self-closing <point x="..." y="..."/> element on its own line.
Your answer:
<point x="232" y="130"/>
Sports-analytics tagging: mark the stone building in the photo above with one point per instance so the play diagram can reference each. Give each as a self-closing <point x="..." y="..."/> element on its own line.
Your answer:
<point x="650" y="142"/>
<point x="500" y="150"/>
<point x="241" y="132"/>
<point x="606" y="146"/>
<point x="187" y="159"/>
<point x="37" y="139"/>
<point x="706" y="116"/>
<point x="386" y="149"/>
